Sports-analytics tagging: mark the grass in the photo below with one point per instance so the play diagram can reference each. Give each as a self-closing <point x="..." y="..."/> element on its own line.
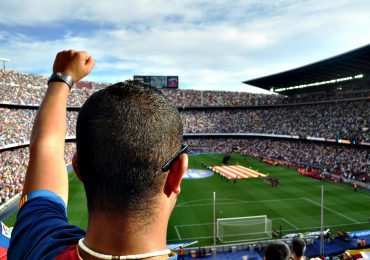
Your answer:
<point x="294" y="206"/>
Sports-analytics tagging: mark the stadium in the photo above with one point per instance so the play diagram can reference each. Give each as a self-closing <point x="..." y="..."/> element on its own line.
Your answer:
<point x="296" y="163"/>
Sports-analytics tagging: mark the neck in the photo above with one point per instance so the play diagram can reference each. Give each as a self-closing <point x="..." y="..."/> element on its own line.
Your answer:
<point x="113" y="235"/>
<point x="87" y="253"/>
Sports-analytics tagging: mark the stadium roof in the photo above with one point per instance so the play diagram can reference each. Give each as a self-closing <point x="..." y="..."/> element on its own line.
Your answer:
<point x="353" y="64"/>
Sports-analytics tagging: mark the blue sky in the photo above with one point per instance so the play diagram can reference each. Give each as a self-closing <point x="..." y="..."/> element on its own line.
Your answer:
<point x="211" y="44"/>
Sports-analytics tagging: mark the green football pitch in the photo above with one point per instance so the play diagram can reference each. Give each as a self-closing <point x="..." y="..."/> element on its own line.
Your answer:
<point x="293" y="207"/>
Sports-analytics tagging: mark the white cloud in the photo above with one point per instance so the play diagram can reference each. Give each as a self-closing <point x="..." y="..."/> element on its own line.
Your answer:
<point x="209" y="44"/>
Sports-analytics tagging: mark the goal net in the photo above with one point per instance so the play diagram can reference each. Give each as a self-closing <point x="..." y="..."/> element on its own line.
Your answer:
<point x="243" y="228"/>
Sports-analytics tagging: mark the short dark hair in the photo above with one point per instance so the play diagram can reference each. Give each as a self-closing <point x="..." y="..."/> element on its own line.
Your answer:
<point x="277" y="250"/>
<point x="298" y="246"/>
<point x="125" y="133"/>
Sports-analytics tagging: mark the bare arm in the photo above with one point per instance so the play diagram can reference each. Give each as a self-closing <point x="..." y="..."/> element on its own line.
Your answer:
<point x="46" y="169"/>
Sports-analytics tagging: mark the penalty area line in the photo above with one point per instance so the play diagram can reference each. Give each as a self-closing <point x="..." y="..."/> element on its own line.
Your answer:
<point x="178" y="233"/>
<point x="287" y="221"/>
<point x="333" y="211"/>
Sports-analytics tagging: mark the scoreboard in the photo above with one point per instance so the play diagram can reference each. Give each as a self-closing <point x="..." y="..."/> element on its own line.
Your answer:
<point x="159" y="81"/>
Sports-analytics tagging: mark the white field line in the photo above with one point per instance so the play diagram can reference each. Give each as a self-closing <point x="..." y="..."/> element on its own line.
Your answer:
<point x="260" y="201"/>
<point x="285" y="230"/>
<point x="178" y="233"/>
<point x="193" y="225"/>
<point x="330" y="226"/>
<point x="237" y="202"/>
<point x="210" y="200"/>
<point x="189" y="238"/>
<point x="287" y="221"/>
<point x="198" y="238"/>
<point x="333" y="211"/>
<point x="366" y="195"/>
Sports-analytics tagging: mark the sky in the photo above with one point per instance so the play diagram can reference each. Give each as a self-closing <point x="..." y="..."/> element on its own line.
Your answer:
<point x="210" y="45"/>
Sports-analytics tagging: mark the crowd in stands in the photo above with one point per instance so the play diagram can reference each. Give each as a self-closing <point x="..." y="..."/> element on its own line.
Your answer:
<point x="21" y="88"/>
<point x="28" y="89"/>
<point x="196" y="98"/>
<point x="16" y="125"/>
<point x="336" y="120"/>
<point x="21" y="79"/>
<point x="13" y="166"/>
<point x="341" y="120"/>
<point x="353" y="162"/>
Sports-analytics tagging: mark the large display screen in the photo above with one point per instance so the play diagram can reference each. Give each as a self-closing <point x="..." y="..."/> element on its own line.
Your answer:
<point x="159" y="81"/>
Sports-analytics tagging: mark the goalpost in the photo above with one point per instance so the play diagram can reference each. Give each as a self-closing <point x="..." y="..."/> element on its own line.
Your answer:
<point x="244" y="228"/>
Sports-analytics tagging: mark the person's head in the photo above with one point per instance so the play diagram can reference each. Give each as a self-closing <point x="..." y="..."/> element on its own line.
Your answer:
<point x="277" y="250"/>
<point x="125" y="134"/>
<point x="298" y="247"/>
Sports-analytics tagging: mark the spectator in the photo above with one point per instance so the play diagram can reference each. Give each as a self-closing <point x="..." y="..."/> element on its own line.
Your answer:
<point x="143" y="163"/>
<point x="181" y="253"/>
<point x="277" y="250"/>
<point x="298" y="248"/>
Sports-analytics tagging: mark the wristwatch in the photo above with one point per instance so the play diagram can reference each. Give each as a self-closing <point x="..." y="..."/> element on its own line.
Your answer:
<point x="62" y="77"/>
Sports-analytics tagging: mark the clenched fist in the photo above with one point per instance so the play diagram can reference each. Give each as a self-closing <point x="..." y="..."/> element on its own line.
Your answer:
<point x="77" y="64"/>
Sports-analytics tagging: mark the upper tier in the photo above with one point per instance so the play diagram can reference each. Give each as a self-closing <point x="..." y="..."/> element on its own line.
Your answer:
<point x="27" y="89"/>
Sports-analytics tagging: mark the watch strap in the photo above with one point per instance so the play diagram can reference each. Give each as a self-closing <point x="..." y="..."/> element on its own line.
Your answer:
<point x="62" y="77"/>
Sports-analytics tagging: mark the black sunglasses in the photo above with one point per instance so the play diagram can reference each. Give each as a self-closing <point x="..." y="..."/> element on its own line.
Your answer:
<point x="167" y="166"/>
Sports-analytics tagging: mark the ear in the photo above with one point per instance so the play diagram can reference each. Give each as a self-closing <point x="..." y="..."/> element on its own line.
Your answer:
<point x="75" y="166"/>
<point x="175" y="175"/>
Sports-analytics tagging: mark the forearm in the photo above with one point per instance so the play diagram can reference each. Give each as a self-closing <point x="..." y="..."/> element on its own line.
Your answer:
<point x="47" y="143"/>
<point x="46" y="169"/>
<point x="49" y="128"/>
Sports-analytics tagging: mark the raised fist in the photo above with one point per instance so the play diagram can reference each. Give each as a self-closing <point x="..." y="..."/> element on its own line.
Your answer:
<point x="77" y="64"/>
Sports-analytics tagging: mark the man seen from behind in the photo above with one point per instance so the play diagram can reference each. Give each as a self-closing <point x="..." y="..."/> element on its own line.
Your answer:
<point x="129" y="158"/>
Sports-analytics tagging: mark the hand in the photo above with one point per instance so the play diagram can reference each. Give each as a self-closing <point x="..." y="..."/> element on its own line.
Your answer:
<point x="77" y="64"/>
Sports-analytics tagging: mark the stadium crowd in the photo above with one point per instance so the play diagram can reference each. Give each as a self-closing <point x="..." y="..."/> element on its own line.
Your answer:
<point x="28" y="89"/>
<point x="341" y="120"/>
<point x="336" y="120"/>
<point x="16" y="125"/>
<point x="338" y="159"/>
<point x="22" y="79"/>
<point x="13" y="166"/>
<point x="349" y="120"/>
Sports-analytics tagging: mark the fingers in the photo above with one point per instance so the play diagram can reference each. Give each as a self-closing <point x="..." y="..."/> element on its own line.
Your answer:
<point x="90" y="62"/>
<point x="78" y="64"/>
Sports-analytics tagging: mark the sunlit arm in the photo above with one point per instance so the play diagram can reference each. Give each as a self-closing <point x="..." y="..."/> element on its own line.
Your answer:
<point x="47" y="169"/>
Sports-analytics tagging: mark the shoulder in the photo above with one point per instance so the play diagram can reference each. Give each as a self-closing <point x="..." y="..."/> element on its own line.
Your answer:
<point x="69" y="253"/>
<point x="42" y="229"/>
